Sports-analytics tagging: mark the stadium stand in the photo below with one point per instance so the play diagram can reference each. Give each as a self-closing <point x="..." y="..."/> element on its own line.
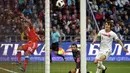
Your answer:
<point x="67" y="19"/>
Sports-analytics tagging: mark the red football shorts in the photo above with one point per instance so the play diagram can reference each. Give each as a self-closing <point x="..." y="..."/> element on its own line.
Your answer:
<point x="30" y="47"/>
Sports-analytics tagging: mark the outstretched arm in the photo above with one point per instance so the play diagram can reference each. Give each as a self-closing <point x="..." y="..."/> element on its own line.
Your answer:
<point x="94" y="39"/>
<point x="96" y="36"/>
<point x="120" y="42"/>
<point x="27" y="20"/>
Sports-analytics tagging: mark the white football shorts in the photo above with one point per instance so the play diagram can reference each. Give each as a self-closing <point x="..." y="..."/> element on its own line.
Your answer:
<point x="107" y="53"/>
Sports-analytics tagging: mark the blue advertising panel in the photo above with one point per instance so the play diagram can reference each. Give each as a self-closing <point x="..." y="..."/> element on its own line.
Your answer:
<point x="8" y="52"/>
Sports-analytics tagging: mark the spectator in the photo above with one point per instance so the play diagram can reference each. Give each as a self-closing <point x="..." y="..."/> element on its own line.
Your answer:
<point x="92" y="34"/>
<point x="89" y="26"/>
<point x="27" y="11"/>
<point x="117" y="28"/>
<point x="126" y="20"/>
<point x="70" y="2"/>
<point x="94" y="7"/>
<point x="62" y="35"/>
<point x="99" y="17"/>
<point x="73" y="28"/>
<point x="121" y="3"/>
<point x="66" y="19"/>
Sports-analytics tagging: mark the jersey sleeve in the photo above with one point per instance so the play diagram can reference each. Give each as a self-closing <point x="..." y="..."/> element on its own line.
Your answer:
<point x="58" y="34"/>
<point x="115" y="36"/>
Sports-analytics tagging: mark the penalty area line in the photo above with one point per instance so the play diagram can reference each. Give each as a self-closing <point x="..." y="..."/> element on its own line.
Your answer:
<point x="8" y="70"/>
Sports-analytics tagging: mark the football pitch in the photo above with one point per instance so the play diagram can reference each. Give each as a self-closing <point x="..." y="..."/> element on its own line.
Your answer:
<point x="63" y="67"/>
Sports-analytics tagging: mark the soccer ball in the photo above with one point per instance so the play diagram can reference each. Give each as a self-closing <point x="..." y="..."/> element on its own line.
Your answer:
<point x="60" y="3"/>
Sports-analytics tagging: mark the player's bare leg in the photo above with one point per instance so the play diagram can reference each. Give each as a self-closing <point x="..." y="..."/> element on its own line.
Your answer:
<point x="102" y="58"/>
<point x="98" y="69"/>
<point x="100" y="65"/>
<point x="50" y="56"/>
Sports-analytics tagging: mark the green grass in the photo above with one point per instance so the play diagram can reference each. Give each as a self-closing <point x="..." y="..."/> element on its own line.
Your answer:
<point x="64" y="67"/>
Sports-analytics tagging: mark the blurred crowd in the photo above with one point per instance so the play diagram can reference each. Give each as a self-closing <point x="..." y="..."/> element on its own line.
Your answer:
<point x="66" y="19"/>
<point x="116" y="11"/>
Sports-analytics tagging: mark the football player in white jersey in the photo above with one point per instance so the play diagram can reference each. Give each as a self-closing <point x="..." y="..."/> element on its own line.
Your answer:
<point x="107" y="36"/>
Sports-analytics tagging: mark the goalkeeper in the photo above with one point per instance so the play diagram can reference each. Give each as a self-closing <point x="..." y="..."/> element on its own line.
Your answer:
<point x="76" y="56"/>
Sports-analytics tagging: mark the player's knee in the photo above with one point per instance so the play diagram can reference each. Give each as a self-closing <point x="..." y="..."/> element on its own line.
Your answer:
<point x="95" y="61"/>
<point x="99" y="64"/>
<point x="102" y="58"/>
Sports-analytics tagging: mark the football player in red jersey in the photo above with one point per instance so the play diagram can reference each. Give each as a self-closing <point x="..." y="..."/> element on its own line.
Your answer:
<point x="31" y="46"/>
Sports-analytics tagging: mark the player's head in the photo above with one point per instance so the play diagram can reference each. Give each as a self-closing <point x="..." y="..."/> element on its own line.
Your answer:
<point x="54" y="29"/>
<point x="74" y="46"/>
<point x="108" y="26"/>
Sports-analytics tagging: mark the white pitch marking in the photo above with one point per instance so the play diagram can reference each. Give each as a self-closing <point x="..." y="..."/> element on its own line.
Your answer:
<point x="8" y="70"/>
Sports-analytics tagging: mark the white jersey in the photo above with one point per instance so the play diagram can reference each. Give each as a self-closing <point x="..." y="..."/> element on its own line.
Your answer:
<point x="107" y="39"/>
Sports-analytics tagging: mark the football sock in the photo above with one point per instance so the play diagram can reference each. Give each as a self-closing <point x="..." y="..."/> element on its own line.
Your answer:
<point x="26" y="62"/>
<point x="50" y="58"/>
<point x="19" y="55"/>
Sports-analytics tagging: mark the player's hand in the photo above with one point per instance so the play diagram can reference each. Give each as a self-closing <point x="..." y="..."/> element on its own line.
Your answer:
<point x="125" y="50"/>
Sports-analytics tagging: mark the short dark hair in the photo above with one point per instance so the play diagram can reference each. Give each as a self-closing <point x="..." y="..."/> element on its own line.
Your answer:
<point x="109" y="23"/>
<point x="74" y="45"/>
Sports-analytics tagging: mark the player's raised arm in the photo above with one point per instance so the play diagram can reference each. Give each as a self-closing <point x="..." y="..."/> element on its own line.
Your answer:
<point x="27" y="20"/>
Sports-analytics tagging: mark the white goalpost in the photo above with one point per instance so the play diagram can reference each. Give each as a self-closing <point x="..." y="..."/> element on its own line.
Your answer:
<point x="83" y="35"/>
<point x="47" y="36"/>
